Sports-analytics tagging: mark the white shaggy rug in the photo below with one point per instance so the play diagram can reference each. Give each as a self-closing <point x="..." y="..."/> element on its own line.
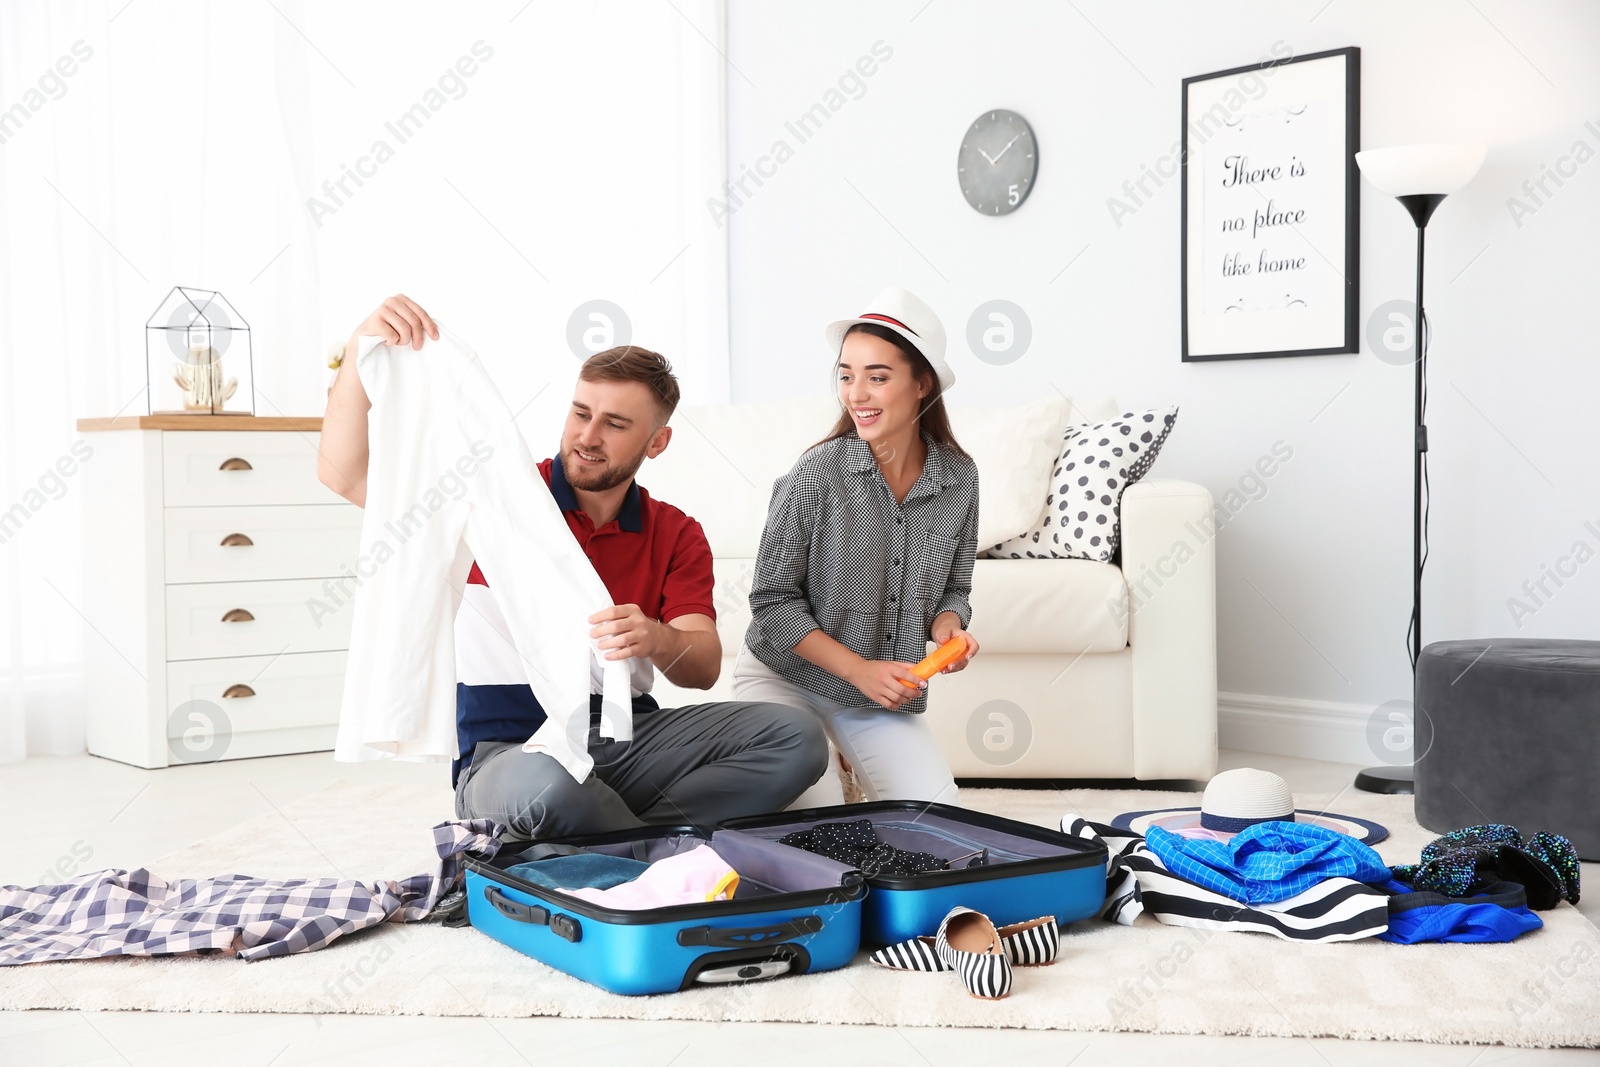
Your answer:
<point x="1542" y="990"/>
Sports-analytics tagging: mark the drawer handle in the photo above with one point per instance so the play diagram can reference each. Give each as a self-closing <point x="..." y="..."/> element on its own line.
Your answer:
<point x="236" y="541"/>
<point x="238" y="691"/>
<point x="235" y="464"/>
<point x="238" y="615"/>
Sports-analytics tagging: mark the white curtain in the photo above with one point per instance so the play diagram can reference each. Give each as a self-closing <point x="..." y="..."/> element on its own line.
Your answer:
<point x="164" y="142"/>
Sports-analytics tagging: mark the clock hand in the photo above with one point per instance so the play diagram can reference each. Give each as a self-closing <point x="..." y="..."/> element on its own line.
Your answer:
<point x="1004" y="150"/>
<point x="985" y="155"/>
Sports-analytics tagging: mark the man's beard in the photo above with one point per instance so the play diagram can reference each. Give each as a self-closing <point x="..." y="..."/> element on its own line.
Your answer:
<point x="609" y="478"/>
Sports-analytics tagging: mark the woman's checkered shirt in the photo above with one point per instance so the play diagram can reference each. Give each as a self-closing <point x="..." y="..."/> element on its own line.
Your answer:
<point x="840" y="554"/>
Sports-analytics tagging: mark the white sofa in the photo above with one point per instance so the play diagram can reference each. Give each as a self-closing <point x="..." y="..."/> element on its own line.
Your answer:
<point x="1086" y="671"/>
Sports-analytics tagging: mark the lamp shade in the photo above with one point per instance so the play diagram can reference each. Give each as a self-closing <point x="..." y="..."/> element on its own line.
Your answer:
<point x="1421" y="168"/>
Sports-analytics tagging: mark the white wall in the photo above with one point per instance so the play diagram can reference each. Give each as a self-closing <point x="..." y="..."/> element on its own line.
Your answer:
<point x="183" y="148"/>
<point x="557" y="177"/>
<point x="1314" y="577"/>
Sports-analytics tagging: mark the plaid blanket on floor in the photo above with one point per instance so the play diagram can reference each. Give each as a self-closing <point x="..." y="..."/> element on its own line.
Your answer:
<point x="136" y="913"/>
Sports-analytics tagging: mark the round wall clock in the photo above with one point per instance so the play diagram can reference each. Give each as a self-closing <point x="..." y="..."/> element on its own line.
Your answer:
<point x="997" y="162"/>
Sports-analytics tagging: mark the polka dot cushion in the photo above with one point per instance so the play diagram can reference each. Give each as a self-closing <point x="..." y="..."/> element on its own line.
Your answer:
<point x="1081" y="517"/>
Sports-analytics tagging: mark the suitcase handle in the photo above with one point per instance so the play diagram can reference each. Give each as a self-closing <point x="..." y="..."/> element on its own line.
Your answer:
<point x="736" y="937"/>
<point x="563" y="926"/>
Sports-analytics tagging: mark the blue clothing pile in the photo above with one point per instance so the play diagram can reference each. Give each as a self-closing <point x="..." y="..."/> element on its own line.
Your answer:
<point x="1270" y="862"/>
<point x="590" y="870"/>
<point x="1499" y="913"/>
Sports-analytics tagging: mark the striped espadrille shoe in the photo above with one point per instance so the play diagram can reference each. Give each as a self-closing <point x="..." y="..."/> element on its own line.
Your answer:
<point x="969" y="944"/>
<point x="1034" y="943"/>
<point x="917" y="954"/>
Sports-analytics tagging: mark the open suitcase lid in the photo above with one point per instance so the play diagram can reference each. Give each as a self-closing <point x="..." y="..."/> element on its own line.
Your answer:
<point x="1008" y="848"/>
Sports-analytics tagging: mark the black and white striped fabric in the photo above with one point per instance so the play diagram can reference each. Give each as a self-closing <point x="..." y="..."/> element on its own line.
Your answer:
<point x="1336" y="909"/>
<point x="987" y="975"/>
<point x="1033" y="943"/>
<point x="840" y="554"/>
<point x="1030" y="944"/>
<point x="917" y="954"/>
<point x="123" y="913"/>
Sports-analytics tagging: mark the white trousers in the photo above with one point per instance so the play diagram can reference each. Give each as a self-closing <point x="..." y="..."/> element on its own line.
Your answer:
<point x="449" y="479"/>
<point x="894" y="755"/>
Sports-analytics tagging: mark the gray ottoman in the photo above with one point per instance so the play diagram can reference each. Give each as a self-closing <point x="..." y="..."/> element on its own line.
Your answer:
<point x="1508" y="731"/>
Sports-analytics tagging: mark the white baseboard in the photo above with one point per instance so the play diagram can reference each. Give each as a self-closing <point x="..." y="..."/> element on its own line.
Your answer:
<point x="1288" y="726"/>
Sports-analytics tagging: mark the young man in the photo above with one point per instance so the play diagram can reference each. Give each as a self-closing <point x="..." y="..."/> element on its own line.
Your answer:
<point x="697" y="764"/>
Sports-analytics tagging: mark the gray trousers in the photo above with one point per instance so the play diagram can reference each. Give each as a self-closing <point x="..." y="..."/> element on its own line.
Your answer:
<point x="694" y="765"/>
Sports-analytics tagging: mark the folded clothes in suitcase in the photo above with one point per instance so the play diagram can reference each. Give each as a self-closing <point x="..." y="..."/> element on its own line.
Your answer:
<point x="792" y="913"/>
<point x="1011" y="871"/>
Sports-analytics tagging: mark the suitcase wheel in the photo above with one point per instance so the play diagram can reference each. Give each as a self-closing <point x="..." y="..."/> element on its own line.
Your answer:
<point x="747" y="965"/>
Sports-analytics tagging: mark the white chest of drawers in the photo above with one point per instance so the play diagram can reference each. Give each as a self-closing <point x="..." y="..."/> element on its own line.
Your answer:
<point x="217" y="585"/>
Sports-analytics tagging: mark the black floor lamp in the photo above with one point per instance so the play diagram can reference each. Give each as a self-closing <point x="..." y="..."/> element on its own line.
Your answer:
<point x="1420" y="177"/>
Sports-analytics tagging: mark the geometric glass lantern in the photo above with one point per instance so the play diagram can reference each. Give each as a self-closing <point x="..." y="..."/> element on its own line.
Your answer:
<point x="197" y="356"/>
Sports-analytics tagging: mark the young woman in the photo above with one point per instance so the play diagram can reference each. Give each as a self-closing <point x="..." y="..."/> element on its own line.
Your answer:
<point x="866" y="556"/>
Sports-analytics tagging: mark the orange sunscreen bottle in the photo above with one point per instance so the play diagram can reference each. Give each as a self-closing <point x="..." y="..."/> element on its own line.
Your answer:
<point x="938" y="660"/>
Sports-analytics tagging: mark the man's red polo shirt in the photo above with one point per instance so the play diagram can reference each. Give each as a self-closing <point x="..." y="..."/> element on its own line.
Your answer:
<point x="651" y="554"/>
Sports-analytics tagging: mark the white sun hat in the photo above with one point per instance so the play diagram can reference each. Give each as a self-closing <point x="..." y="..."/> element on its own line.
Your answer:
<point x="903" y="312"/>
<point x="1240" y="798"/>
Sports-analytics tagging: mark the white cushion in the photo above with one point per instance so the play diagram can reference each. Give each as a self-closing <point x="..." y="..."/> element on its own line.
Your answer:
<point x="1048" y="606"/>
<point x="1032" y="606"/>
<point x="722" y="461"/>
<point x="731" y="598"/>
<point x="1015" y="449"/>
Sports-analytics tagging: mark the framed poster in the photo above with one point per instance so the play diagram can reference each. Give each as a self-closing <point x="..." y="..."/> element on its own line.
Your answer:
<point x="1272" y="208"/>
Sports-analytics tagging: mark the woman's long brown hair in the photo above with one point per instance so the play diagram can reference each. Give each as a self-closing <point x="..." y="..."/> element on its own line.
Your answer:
<point x="934" y="419"/>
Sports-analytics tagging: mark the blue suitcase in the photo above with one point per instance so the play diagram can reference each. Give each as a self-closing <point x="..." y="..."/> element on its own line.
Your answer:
<point x="1021" y="871"/>
<point x="792" y="913"/>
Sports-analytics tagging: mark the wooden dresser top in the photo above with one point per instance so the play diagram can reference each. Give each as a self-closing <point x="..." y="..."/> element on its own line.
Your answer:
<point x="305" y="424"/>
